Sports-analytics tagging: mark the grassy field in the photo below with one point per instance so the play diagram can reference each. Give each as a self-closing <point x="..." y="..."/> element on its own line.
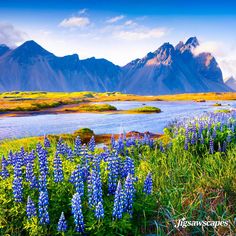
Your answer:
<point x="192" y="170"/>
<point x="41" y="101"/>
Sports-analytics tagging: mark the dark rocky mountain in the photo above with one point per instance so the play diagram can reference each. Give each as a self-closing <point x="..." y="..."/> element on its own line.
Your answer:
<point x="171" y="70"/>
<point x="31" y="67"/>
<point x="167" y="70"/>
<point x="231" y="82"/>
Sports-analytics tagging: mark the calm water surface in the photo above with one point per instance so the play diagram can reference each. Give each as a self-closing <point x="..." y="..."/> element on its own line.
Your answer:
<point x="16" y="127"/>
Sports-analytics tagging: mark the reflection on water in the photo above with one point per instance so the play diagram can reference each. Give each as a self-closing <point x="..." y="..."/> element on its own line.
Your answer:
<point x="15" y="127"/>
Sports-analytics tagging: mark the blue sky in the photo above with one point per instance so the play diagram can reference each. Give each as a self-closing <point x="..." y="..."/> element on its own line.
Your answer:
<point x="121" y="31"/>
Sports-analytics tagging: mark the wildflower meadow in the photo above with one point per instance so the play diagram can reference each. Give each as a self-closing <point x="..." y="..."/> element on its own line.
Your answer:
<point x="134" y="186"/>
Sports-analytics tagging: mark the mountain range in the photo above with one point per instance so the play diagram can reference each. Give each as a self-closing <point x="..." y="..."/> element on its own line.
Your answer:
<point x="168" y="70"/>
<point x="231" y="82"/>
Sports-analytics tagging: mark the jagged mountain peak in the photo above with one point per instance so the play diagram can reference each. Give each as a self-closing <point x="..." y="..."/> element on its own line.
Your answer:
<point x="30" y="49"/>
<point x="3" y="49"/>
<point x="193" y="42"/>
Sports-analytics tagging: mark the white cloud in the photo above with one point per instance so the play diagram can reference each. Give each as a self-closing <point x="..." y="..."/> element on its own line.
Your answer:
<point x="142" y="33"/>
<point x="130" y="23"/>
<point x="75" y="21"/>
<point x="115" y="19"/>
<point x="83" y="11"/>
<point x="11" y="36"/>
<point x="214" y="47"/>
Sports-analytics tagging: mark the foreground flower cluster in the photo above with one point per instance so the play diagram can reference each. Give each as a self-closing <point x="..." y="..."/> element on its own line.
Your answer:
<point x="37" y="169"/>
<point x="134" y="186"/>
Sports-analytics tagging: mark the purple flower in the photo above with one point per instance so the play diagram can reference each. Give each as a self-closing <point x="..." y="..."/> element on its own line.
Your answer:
<point x="92" y="144"/>
<point x="148" y="184"/>
<point x="99" y="211"/>
<point x="77" y="148"/>
<point x="77" y="213"/>
<point x="43" y="207"/>
<point x="114" y="170"/>
<point x="128" y="167"/>
<point x="17" y="185"/>
<point x="94" y="188"/>
<point x="128" y="194"/>
<point x="77" y="179"/>
<point x="4" y="172"/>
<point x="211" y="145"/>
<point x="62" y="225"/>
<point x="30" y="208"/>
<point x="47" y="143"/>
<point x="58" y="172"/>
<point x="118" y="207"/>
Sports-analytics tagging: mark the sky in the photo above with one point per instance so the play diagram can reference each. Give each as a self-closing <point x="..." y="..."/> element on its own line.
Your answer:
<point x="123" y="30"/>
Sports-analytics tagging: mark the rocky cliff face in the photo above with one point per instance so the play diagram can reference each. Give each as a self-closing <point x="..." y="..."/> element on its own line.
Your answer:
<point x="31" y="67"/>
<point x="167" y="70"/>
<point x="174" y="70"/>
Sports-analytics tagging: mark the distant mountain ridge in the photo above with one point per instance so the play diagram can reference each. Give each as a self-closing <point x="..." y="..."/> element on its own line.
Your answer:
<point x="167" y="70"/>
<point x="231" y="82"/>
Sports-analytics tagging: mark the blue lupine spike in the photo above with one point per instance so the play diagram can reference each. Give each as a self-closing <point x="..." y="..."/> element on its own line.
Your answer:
<point x="17" y="185"/>
<point x="92" y="144"/>
<point x="128" y="167"/>
<point x="43" y="207"/>
<point x="128" y="194"/>
<point x="47" y="143"/>
<point x="77" y="179"/>
<point x="30" y="208"/>
<point x="77" y="213"/>
<point x="118" y="207"/>
<point x="4" y="171"/>
<point x="211" y="143"/>
<point x="147" y="188"/>
<point x="94" y="188"/>
<point x="77" y="148"/>
<point x="62" y="225"/>
<point x="58" y="172"/>
<point x="114" y="170"/>
<point x="99" y="211"/>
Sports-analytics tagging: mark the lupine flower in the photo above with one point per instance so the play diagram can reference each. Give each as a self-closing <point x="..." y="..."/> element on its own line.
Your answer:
<point x="94" y="188"/>
<point x="92" y="144"/>
<point x="99" y="211"/>
<point x="43" y="207"/>
<point x="17" y="185"/>
<point x="118" y="207"/>
<point x="43" y="162"/>
<point x="62" y="225"/>
<point x="10" y="158"/>
<point x="148" y="184"/>
<point x="4" y="172"/>
<point x="47" y="143"/>
<point x="77" y="148"/>
<point x="30" y="176"/>
<point x="77" y="179"/>
<point x="70" y="154"/>
<point x="128" y="167"/>
<point x="128" y="194"/>
<point x="61" y="148"/>
<point x="113" y="142"/>
<point x="30" y="208"/>
<point x="114" y="169"/>
<point x="211" y="145"/>
<point x="77" y="213"/>
<point x="58" y="172"/>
